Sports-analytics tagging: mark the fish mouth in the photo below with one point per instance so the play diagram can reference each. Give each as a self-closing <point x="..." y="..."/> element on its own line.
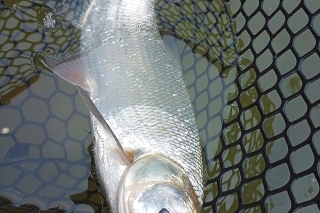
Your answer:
<point x="145" y="197"/>
<point x="154" y="182"/>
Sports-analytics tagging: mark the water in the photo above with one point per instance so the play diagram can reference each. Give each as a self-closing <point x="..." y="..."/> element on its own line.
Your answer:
<point x="251" y="70"/>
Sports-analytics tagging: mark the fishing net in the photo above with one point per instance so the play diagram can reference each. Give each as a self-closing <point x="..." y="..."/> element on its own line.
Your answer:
<point x="252" y="72"/>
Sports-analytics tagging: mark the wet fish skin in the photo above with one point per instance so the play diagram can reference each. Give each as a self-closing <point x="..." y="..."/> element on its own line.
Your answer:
<point x="141" y="112"/>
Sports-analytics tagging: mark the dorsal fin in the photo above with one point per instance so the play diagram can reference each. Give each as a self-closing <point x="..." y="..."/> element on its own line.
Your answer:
<point x="73" y="11"/>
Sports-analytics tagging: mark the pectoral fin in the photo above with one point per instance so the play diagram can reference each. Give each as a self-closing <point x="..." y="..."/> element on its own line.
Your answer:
<point x="73" y="69"/>
<point x="93" y="109"/>
<point x="171" y="43"/>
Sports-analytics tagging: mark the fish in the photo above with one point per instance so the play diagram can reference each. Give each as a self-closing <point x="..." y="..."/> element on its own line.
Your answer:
<point x="147" y="149"/>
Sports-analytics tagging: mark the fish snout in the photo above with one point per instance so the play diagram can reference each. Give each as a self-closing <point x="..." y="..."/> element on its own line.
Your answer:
<point x="155" y="184"/>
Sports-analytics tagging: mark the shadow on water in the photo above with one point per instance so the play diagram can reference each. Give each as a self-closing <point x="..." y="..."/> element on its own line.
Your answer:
<point x="252" y="76"/>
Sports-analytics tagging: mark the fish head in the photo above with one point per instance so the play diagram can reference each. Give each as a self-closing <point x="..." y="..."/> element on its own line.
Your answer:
<point x="155" y="184"/>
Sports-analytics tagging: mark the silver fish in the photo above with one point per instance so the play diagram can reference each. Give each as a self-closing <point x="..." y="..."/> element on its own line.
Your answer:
<point x="147" y="148"/>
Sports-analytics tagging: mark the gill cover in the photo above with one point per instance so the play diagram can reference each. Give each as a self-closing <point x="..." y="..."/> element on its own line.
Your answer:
<point x="154" y="184"/>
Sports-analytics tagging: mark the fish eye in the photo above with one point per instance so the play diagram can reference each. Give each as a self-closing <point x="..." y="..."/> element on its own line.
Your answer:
<point x="164" y="210"/>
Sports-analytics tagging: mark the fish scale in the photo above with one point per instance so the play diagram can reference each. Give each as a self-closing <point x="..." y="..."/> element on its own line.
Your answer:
<point x="140" y="92"/>
<point x="132" y="104"/>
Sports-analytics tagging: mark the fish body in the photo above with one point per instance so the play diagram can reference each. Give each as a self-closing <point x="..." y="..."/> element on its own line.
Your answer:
<point x="147" y="148"/>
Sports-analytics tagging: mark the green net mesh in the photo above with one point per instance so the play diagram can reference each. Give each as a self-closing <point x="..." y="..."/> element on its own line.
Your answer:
<point x="252" y="70"/>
